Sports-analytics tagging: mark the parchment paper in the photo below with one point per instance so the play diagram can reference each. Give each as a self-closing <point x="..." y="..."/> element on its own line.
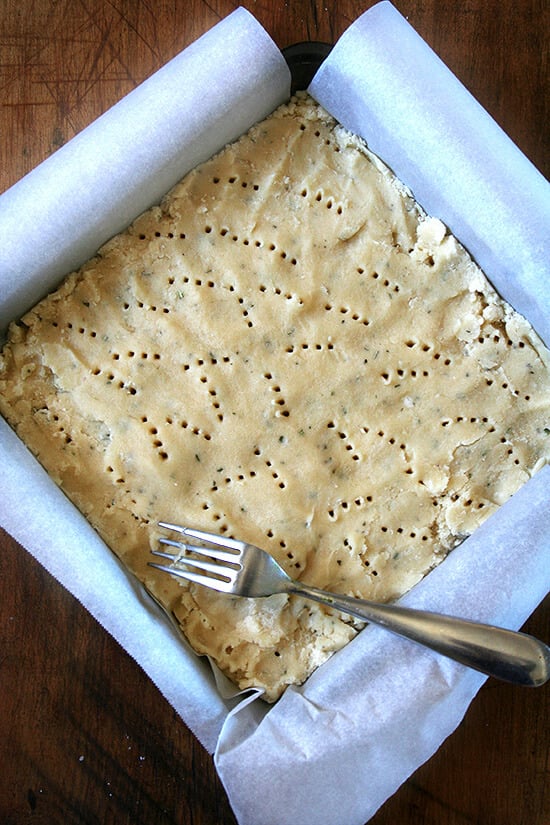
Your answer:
<point x="335" y="749"/>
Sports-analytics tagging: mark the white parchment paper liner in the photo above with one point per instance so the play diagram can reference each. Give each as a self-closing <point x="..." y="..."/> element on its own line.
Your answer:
<point x="335" y="749"/>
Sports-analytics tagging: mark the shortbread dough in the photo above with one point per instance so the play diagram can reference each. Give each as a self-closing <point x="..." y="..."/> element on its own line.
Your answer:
<point x="288" y="351"/>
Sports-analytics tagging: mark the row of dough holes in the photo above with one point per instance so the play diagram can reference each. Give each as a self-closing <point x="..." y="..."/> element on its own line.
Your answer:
<point x="211" y="284"/>
<point x="235" y="179"/>
<point x="496" y="338"/>
<point x="157" y="443"/>
<point x="344" y="310"/>
<point x="317" y="133"/>
<point x="225" y="359"/>
<point x="216" y="180"/>
<point x="110" y="376"/>
<point x="123" y="385"/>
<point x="319" y="197"/>
<point x="283" y="545"/>
<point x="460" y="419"/>
<point x="229" y="480"/>
<point x="204" y="380"/>
<point x="93" y="334"/>
<point x="119" y="480"/>
<point x="272" y="247"/>
<point x="144" y="355"/>
<point x="170" y="235"/>
<point x="148" y="307"/>
<point x="279" y="400"/>
<point x="506" y="386"/>
<point x="380" y="433"/>
<point x="366" y="430"/>
<point x="349" y="446"/>
<point x="262" y="288"/>
<point x="81" y="330"/>
<point x="269" y="465"/>
<point x="510" y="451"/>
<point x="376" y="277"/>
<point x="345" y="506"/>
<point x="305" y="346"/>
<point x="244" y="313"/>
<point x="388" y="376"/>
<point x="289" y="296"/>
<point x="401" y="531"/>
<point x="469" y="502"/>
<point x="184" y="424"/>
<point x="447" y="362"/>
<point x="68" y="439"/>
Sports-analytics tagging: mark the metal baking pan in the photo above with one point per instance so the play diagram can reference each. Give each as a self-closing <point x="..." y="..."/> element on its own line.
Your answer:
<point x="303" y="60"/>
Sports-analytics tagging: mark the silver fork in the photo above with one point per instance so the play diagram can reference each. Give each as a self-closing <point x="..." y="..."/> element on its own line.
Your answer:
<point x="241" y="569"/>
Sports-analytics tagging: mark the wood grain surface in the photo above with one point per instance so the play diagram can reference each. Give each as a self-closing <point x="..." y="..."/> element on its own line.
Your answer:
<point x="85" y="737"/>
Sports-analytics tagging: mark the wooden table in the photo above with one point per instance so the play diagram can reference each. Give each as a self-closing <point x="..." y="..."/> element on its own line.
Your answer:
<point x="85" y="737"/>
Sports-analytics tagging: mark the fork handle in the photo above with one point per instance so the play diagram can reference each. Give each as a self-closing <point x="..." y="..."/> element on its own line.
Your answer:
<point x="508" y="655"/>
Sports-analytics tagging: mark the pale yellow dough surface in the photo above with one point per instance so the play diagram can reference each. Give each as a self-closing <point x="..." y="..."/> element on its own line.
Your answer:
<point x="288" y="351"/>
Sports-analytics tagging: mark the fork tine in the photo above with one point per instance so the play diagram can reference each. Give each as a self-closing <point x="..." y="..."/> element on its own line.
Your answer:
<point x="201" y="564"/>
<point x="201" y="535"/>
<point x="208" y="581"/>
<point x="170" y="556"/>
<point x="211" y="552"/>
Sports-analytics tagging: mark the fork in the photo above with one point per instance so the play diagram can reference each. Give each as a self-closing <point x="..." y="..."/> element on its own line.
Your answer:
<point x="242" y="569"/>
